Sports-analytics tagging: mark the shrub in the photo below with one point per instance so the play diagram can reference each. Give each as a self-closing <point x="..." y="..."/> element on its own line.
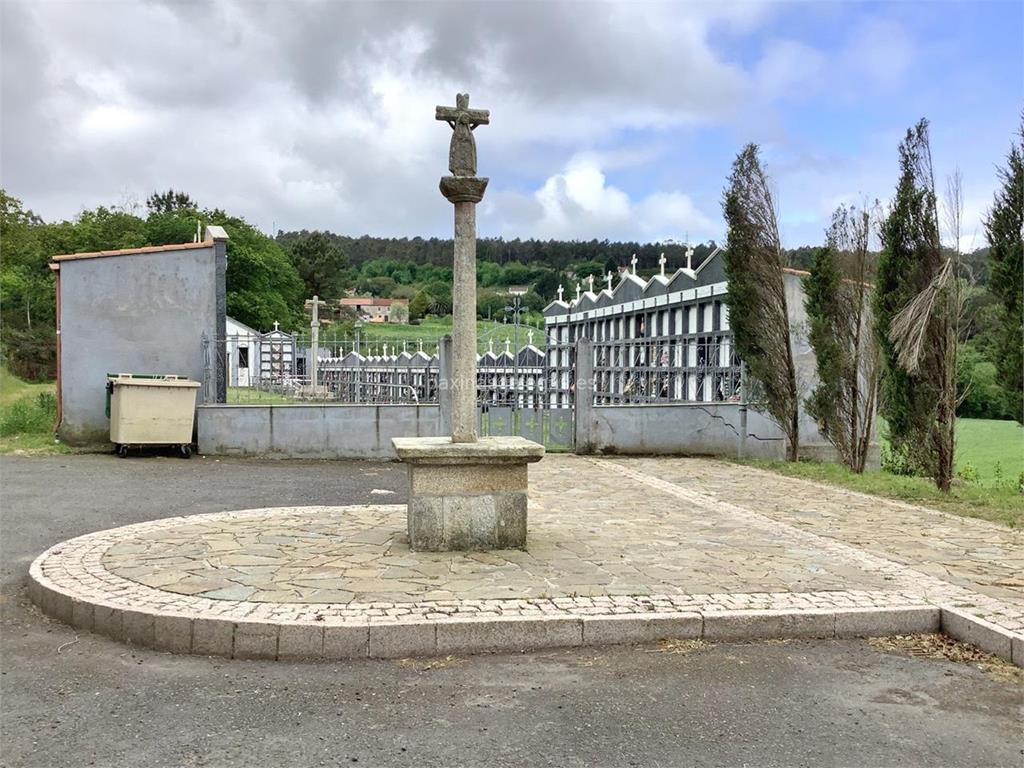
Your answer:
<point x="896" y="460"/>
<point x="968" y="473"/>
<point x="29" y="415"/>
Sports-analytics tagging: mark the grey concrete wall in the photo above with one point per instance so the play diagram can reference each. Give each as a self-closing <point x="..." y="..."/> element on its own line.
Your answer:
<point x="312" y="431"/>
<point x="693" y="429"/>
<point x="137" y="313"/>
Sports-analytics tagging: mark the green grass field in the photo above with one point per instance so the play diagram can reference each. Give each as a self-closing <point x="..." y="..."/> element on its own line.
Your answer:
<point x="995" y="449"/>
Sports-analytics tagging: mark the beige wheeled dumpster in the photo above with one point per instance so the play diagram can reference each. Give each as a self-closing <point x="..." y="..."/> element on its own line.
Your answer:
<point x="151" y="410"/>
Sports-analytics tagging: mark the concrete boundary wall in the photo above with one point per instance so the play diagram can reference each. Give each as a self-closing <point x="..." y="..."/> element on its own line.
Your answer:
<point x="693" y="429"/>
<point x="699" y="429"/>
<point x="313" y="431"/>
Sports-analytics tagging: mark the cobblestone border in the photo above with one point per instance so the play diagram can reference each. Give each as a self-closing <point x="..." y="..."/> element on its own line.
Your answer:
<point x="69" y="583"/>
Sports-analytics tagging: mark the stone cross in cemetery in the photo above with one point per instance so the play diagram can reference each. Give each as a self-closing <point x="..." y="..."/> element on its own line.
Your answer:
<point x="314" y="338"/>
<point x="661" y="263"/>
<point x="633" y="261"/>
<point x="608" y="279"/>
<point x="590" y="283"/>
<point x="561" y="291"/>
<point x="465" y="492"/>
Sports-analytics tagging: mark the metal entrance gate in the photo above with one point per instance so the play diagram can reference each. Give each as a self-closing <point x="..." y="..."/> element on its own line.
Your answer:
<point x="551" y="427"/>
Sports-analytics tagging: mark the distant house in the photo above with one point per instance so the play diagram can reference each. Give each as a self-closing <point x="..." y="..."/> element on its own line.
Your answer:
<point x="377" y="310"/>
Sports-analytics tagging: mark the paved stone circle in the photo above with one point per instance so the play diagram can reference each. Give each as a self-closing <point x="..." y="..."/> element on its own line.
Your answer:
<point x="630" y="551"/>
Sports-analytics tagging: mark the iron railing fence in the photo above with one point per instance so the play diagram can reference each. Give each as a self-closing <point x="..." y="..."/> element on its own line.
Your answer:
<point x="669" y="369"/>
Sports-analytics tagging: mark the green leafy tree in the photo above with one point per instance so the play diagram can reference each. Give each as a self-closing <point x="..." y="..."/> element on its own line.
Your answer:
<point x="984" y="397"/>
<point x="173" y="227"/>
<point x="420" y="305"/>
<point x="1004" y="226"/>
<point x="320" y="263"/>
<point x="377" y="286"/>
<point x="26" y="293"/>
<point x="757" y="298"/>
<point x="170" y="201"/>
<point x="837" y="300"/>
<point x="263" y="286"/>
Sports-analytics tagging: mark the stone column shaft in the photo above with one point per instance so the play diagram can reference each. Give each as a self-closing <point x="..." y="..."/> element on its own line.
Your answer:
<point x="464" y="325"/>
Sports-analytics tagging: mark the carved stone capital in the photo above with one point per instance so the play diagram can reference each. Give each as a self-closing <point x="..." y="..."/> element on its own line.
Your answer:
<point x="463" y="189"/>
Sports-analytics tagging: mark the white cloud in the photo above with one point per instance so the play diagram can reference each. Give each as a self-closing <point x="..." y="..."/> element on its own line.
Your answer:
<point x="579" y="203"/>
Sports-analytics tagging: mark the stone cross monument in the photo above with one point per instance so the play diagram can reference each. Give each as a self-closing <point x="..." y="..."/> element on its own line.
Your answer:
<point x="464" y="189"/>
<point x="465" y="492"/>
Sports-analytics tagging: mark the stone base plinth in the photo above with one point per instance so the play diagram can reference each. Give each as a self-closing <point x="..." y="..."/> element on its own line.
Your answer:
<point x="467" y="496"/>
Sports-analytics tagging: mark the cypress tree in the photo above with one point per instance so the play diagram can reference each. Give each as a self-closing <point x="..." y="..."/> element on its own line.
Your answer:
<point x="756" y="298"/>
<point x="837" y="296"/>
<point x="1004" y="226"/>
<point x="913" y="289"/>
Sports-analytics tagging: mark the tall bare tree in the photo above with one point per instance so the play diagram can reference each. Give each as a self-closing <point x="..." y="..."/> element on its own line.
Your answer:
<point x="757" y="297"/>
<point x="838" y="303"/>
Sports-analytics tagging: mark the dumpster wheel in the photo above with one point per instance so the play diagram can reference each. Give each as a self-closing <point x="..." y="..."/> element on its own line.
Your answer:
<point x="122" y="451"/>
<point x="186" y="451"/>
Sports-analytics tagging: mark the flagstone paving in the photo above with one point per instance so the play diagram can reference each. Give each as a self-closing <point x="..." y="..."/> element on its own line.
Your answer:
<point x="606" y="536"/>
<point x="985" y="557"/>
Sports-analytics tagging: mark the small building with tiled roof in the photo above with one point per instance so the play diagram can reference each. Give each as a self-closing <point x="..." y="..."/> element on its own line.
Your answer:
<point x="135" y="310"/>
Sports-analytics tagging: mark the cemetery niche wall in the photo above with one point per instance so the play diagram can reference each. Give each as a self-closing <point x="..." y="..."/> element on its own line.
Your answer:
<point x="649" y="366"/>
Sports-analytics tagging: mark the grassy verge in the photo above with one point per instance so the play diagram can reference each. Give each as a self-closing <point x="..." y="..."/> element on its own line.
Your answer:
<point x="989" y="463"/>
<point x="27" y="415"/>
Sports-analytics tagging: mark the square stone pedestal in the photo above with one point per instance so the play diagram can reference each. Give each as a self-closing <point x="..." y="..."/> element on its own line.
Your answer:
<point x="467" y="496"/>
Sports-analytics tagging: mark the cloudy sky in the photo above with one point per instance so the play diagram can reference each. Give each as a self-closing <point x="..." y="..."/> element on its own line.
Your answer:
<point x="615" y="120"/>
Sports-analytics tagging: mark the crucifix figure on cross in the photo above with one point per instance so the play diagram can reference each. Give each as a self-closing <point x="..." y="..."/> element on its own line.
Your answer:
<point x="661" y="263"/>
<point x="463" y="120"/>
<point x="633" y="262"/>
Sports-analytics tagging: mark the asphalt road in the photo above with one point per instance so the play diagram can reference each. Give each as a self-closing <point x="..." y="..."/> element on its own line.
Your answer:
<point x="76" y="699"/>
